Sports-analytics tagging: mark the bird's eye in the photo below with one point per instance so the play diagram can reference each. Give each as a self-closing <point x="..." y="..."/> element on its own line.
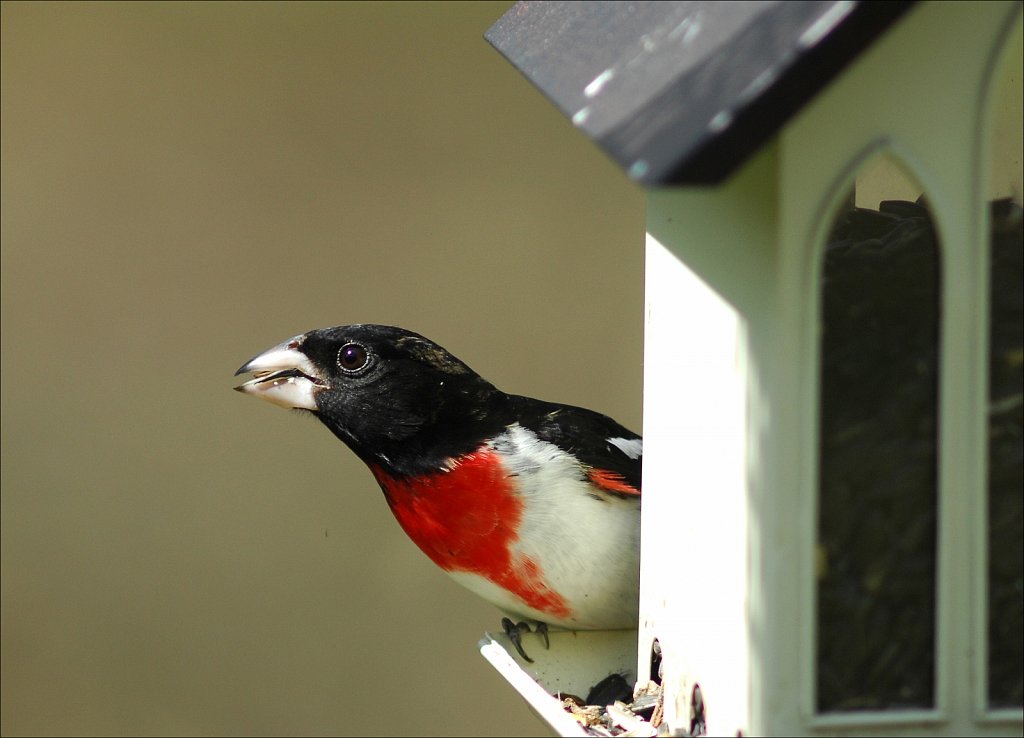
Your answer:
<point x="352" y="357"/>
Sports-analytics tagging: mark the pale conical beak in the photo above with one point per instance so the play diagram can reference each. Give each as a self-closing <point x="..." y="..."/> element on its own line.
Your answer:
<point x="283" y="375"/>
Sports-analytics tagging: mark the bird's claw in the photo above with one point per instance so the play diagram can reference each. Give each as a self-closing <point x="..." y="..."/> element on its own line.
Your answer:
<point x="542" y="631"/>
<point x="515" y="631"/>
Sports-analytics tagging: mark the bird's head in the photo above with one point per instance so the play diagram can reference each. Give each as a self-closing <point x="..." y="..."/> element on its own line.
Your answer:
<point x="396" y="398"/>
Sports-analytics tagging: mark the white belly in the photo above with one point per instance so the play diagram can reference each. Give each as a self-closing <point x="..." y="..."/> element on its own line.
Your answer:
<point x="585" y="542"/>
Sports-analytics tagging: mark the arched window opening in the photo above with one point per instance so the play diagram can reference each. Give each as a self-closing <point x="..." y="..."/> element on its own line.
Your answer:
<point x="1005" y="602"/>
<point x="878" y="440"/>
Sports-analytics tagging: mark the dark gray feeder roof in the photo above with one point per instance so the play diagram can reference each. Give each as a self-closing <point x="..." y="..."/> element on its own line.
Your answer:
<point x="684" y="92"/>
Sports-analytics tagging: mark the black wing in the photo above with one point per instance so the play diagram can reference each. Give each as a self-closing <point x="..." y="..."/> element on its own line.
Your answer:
<point x="611" y="453"/>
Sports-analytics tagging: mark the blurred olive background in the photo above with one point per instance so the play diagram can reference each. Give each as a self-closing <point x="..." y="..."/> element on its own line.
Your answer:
<point x="184" y="185"/>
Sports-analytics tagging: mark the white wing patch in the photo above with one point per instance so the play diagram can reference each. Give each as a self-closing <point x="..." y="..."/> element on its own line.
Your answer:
<point x="631" y="447"/>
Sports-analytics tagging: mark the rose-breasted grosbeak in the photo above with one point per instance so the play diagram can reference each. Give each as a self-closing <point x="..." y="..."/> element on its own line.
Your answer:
<point x="533" y="505"/>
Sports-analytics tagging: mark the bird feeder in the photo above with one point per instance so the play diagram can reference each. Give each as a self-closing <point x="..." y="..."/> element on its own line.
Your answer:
<point x="832" y="536"/>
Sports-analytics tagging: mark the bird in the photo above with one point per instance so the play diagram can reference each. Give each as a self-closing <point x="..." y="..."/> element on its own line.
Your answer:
<point x="532" y="505"/>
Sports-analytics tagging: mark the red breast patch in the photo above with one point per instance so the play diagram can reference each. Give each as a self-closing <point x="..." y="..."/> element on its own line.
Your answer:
<point x="467" y="519"/>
